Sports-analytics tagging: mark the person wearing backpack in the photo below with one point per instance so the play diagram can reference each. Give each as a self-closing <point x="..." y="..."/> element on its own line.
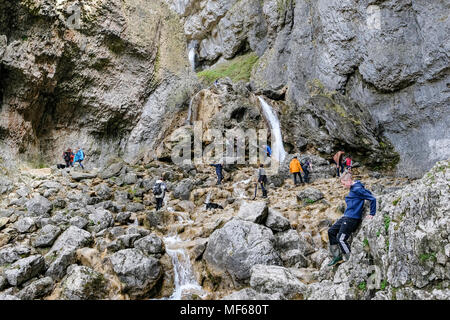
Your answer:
<point x="79" y="156"/>
<point x="67" y="156"/>
<point x="159" y="190"/>
<point x="340" y="231"/>
<point x="295" y="168"/>
<point x="306" y="166"/>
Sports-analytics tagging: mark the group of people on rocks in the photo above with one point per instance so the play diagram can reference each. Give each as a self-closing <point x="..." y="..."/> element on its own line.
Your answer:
<point x="340" y="232"/>
<point x="70" y="157"/>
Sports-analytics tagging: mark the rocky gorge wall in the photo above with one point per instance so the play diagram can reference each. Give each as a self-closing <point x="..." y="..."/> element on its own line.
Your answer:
<point x="105" y="82"/>
<point x="390" y="57"/>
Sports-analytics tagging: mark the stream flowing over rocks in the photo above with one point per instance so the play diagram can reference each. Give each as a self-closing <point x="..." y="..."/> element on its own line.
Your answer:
<point x="153" y="89"/>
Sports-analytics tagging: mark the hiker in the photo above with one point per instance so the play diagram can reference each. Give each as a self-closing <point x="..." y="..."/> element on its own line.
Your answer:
<point x="341" y="230"/>
<point x="348" y="163"/>
<point x="159" y="190"/>
<point x="339" y="161"/>
<point x="268" y="151"/>
<point x="219" y="173"/>
<point x="262" y="180"/>
<point x="79" y="156"/>
<point x="295" y="168"/>
<point x="306" y="166"/>
<point x="68" y="156"/>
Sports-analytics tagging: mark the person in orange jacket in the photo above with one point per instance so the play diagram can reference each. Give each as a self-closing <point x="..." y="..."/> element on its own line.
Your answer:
<point x="295" y="168"/>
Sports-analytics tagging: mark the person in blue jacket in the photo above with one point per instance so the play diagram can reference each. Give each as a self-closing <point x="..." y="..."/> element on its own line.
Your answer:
<point x="268" y="151"/>
<point x="339" y="232"/>
<point x="79" y="156"/>
<point x="219" y="167"/>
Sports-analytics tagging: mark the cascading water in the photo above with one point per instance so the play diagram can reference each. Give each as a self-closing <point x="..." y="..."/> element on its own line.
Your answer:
<point x="183" y="274"/>
<point x="278" y="151"/>
<point x="191" y="56"/>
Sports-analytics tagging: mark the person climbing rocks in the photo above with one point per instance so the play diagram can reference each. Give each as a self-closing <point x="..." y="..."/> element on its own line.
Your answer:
<point x="306" y="166"/>
<point x="159" y="190"/>
<point x="348" y="164"/>
<point x="68" y="157"/>
<point x="340" y="231"/>
<point x="79" y="156"/>
<point x="295" y="168"/>
<point x="268" y="151"/>
<point x="219" y="173"/>
<point x="262" y="180"/>
<point x="339" y="161"/>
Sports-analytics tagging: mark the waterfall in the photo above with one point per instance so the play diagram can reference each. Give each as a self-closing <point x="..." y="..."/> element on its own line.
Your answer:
<point x="183" y="274"/>
<point x="191" y="56"/>
<point x="278" y="151"/>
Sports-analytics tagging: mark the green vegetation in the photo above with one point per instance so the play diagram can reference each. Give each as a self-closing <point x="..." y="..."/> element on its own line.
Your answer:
<point x="387" y="244"/>
<point x="428" y="256"/>
<point x="309" y="201"/>
<point x="378" y="233"/>
<point x="38" y="162"/>
<point x="362" y="286"/>
<point x="383" y="284"/>
<point x="366" y="242"/>
<point x="387" y="221"/>
<point x="236" y="69"/>
<point x="396" y="201"/>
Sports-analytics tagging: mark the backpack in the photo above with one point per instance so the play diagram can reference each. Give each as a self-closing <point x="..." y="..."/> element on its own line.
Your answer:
<point x="66" y="156"/>
<point x="157" y="190"/>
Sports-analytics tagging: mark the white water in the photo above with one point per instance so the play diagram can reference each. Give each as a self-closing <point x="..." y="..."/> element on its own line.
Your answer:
<point x="191" y="56"/>
<point x="183" y="274"/>
<point x="278" y="151"/>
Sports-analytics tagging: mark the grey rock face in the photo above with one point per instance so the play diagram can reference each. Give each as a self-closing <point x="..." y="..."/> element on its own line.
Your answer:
<point x="100" y="220"/>
<point x="46" y="236"/>
<point x="79" y="222"/>
<point x="79" y="176"/>
<point x="292" y="249"/>
<point x="276" y="279"/>
<point x="183" y="189"/>
<point x="10" y="254"/>
<point x="83" y="283"/>
<point x="39" y="206"/>
<point x="253" y="211"/>
<point x="309" y="195"/>
<point x="113" y="170"/>
<point x="276" y="221"/>
<point x="37" y="289"/>
<point x="8" y="297"/>
<point x="122" y="217"/>
<point x="103" y="191"/>
<point x="62" y="253"/>
<point x="25" y="225"/>
<point x="24" y="269"/>
<point x="239" y="245"/>
<point x="151" y="244"/>
<point x="138" y="272"/>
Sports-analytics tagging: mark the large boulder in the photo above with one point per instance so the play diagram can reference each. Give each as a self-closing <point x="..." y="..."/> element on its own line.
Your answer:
<point x="138" y="272"/>
<point x="253" y="211"/>
<point x="276" y="279"/>
<point x="183" y="189"/>
<point x="63" y="252"/>
<point x="37" y="289"/>
<point x="309" y="196"/>
<point x="39" y="206"/>
<point x="24" y="269"/>
<point x="100" y="220"/>
<point x="83" y="283"/>
<point x="239" y="245"/>
<point x="46" y="236"/>
<point x="292" y="248"/>
<point x="276" y="221"/>
<point x="10" y="254"/>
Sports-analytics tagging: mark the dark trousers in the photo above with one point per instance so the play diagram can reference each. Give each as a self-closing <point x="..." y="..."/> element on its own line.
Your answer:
<point x="79" y="161"/>
<point x="306" y="176"/>
<point x="341" y="167"/>
<point x="219" y="177"/>
<point x="298" y="174"/>
<point x="341" y="230"/>
<point x="68" y="163"/>
<point x="159" y="203"/>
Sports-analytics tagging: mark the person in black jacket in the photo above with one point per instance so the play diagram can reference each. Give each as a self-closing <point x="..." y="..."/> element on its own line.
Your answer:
<point x="341" y="230"/>
<point x="262" y="180"/>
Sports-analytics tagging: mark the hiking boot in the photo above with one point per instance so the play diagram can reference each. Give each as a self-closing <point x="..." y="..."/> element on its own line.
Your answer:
<point x="336" y="260"/>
